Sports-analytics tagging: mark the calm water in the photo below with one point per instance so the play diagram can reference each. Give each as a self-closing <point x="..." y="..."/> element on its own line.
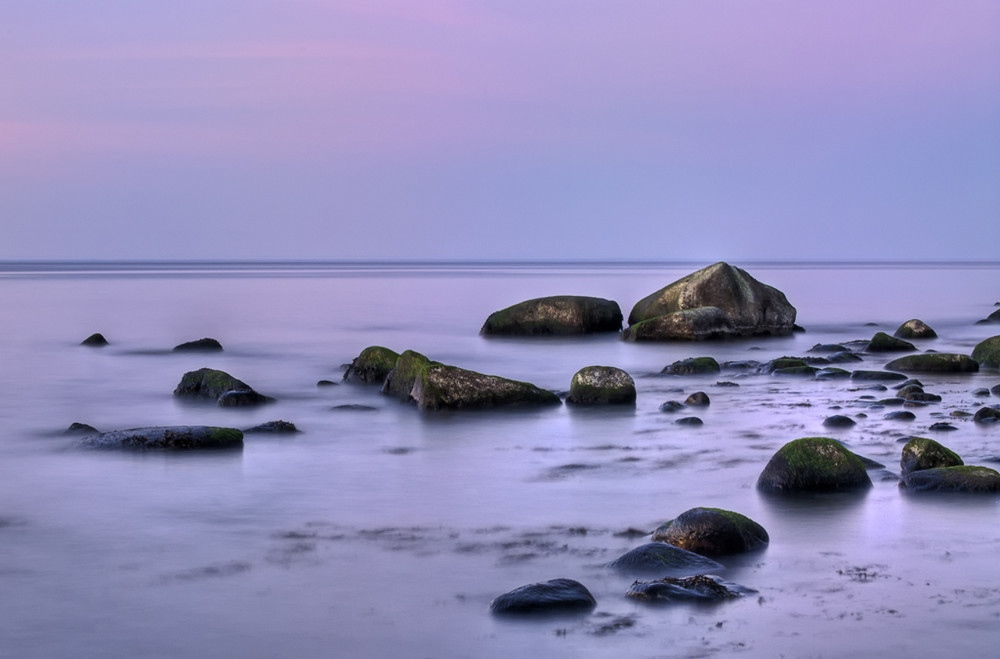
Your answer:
<point x="389" y="531"/>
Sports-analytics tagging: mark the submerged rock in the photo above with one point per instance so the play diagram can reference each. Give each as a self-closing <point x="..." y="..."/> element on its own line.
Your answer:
<point x="920" y="453"/>
<point x="886" y="376"/>
<point x="987" y="415"/>
<point x="555" y="596"/>
<point x="172" y="438"/>
<point x="934" y="362"/>
<point x="844" y="357"/>
<point x="719" y="301"/>
<point x="661" y="558"/>
<point x="882" y="342"/>
<point x="372" y="366"/>
<point x="813" y="464"/>
<point x="915" y="329"/>
<point x="700" y="587"/>
<point x="601" y="385"/>
<point x="671" y="406"/>
<point x="95" y="340"/>
<point x="987" y="353"/>
<point x="969" y="479"/>
<point x="692" y="366"/>
<point x="278" y="427"/>
<point x="201" y="345"/>
<point x="713" y="532"/>
<point x="243" y="399"/>
<point x="209" y="383"/>
<point x="556" y="315"/>
<point x="689" y="421"/>
<point x="698" y="399"/>
<point x="839" y="421"/>
<point x="77" y="428"/>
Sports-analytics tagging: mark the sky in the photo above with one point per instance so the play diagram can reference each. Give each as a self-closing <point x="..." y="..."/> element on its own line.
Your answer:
<point x="500" y="129"/>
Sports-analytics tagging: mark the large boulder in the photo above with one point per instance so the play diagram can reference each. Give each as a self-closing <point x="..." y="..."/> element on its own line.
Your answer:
<point x="915" y="329"/>
<point x="372" y="365"/>
<point x="813" y="464"/>
<point x="987" y="353"/>
<point x="661" y="558"/>
<point x="220" y="386"/>
<point x="555" y="596"/>
<point x="433" y="386"/>
<point x="601" y="385"/>
<point x="934" y="362"/>
<point x="967" y="478"/>
<point x="692" y="366"/>
<point x="882" y="342"/>
<point x="920" y="453"/>
<point x="719" y="301"/>
<point x="712" y="532"/>
<point x="558" y="315"/>
<point x="172" y="438"/>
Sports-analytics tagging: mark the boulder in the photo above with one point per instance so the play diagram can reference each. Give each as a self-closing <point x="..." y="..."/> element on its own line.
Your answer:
<point x="372" y="365"/>
<point x="242" y="399"/>
<point x="219" y="385"/>
<point x="882" y="342"/>
<point x="832" y="373"/>
<point x="844" y="357"/>
<point x="839" y="421"/>
<point x="95" y="340"/>
<point x="915" y="329"/>
<point x="969" y="479"/>
<point x="900" y="415"/>
<point x="992" y="318"/>
<point x="987" y="353"/>
<point x="201" y="345"/>
<point x="700" y="587"/>
<point x="661" y="558"/>
<point x="813" y="464"/>
<point x="601" y="385"/>
<point x="671" y="406"/>
<point x="886" y="376"/>
<point x="172" y="438"/>
<point x="719" y="301"/>
<point x="934" y="362"/>
<point x="278" y="427"/>
<point x="556" y="315"/>
<point x="692" y="366"/>
<point x="712" y="532"/>
<point x="555" y="596"/>
<point x="436" y="386"/>
<point x="920" y="453"/>
<point x="689" y="421"/>
<point x="987" y="415"/>
<point x="698" y="399"/>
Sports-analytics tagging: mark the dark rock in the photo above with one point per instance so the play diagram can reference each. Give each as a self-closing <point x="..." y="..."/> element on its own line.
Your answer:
<point x="689" y="421"/>
<point x="982" y="392"/>
<point x="813" y="464"/>
<point x="839" y="421"/>
<point x="844" y="357"/>
<point x="555" y="596"/>
<point x="987" y="353"/>
<point x="243" y="398"/>
<point x="175" y="438"/>
<point x="886" y="376"/>
<point x="76" y="428"/>
<point x="937" y="362"/>
<point x="909" y="390"/>
<point x="726" y="383"/>
<point x="781" y="363"/>
<point x="941" y="426"/>
<point x="95" y="340"/>
<point x="915" y="329"/>
<point x="827" y="348"/>
<point x="796" y="370"/>
<point x="832" y="373"/>
<point x="921" y="453"/>
<point x="201" y="345"/>
<point x="661" y="558"/>
<point x="692" y="366"/>
<point x="354" y="407"/>
<point x="922" y="397"/>
<point x="278" y="427"/>
<point x="995" y="390"/>
<point x="601" y="385"/>
<point x="326" y="383"/>
<point x="992" y="318"/>
<point x="882" y="342"/>
<point x="556" y="315"/>
<point x="698" y="399"/>
<point x="712" y="532"/>
<point x="209" y="383"/>
<point x="719" y="301"/>
<point x="700" y="587"/>
<point x="372" y="366"/>
<point x="968" y="479"/>
<point x="987" y="415"/>
<point x="671" y="406"/>
<point x="912" y="382"/>
<point x="900" y="415"/>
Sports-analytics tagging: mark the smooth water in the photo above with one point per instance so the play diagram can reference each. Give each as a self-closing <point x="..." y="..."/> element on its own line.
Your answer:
<point x="388" y="531"/>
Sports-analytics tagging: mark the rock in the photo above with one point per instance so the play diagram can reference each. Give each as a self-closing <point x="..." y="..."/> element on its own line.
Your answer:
<point x="95" y="340"/>
<point x="698" y="399"/>
<point x="987" y="415"/>
<point x="995" y="390"/>
<point x="839" y="421"/>
<point x="692" y="366"/>
<point x="719" y="301"/>
<point x="372" y="366"/>
<point x="274" y="427"/>
<point x="981" y="392"/>
<point x="557" y="315"/>
<point x="209" y="383"/>
<point x="969" y="479"/>
<point x="828" y="348"/>
<point x="781" y="363"/>
<point x="796" y="370"/>
<point x="689" y="421"/>
<point x="941" y="426"/>
<point x="713" y="532"/>
<point x="173" y="438"/>
<point x="326" y="383"/>
<point x="813" y="464"/>
<point x="992" y="318"/>
<point x="844" y="357"/>
<point x="915" y="329"/>
<point x="671" y="406"/>
<point x="699" y="587"/>
<point x="934" y="362"/>
<point x="882" y="342"/>
<point x="921" y="453"/>
<point x="661" y="558"/>
<point x="900" y="415"/>
<point x="987" y="353"/>
<point x="201" y="345"/>
<point x="76" y="428"/>
<point x="436" y="386"/>
<point x="832" y="373"/>
<point x="726" y="383"/>
<point x="912" y="382"/>
<point x="886" y="376"/>
<point x="601" y="385"/>
<point x="243" y="399"/>
<point x="557" y="595"/>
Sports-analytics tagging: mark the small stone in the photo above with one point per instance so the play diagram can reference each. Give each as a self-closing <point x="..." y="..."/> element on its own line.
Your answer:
<point x="942" y="426"/>
<point x="839" y="421"/>
<point x="689" y="421"/>
<point x="900" y="415"/>
<point x="557" y="595"/>
<point x="671" y="406"/>
<point x="95" y="340"/>
<point x="698" y="399"/>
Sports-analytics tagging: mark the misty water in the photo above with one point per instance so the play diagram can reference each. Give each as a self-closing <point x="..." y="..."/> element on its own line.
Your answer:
<point x="388" y="531"/>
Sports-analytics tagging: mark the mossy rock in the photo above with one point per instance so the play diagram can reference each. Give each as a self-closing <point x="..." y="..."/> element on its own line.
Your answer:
<point x="813" y="464"/>
<point x="934" y="362"/>
<point x="987" y="415"/>
<point x="968" y="479"/>
<point x="700" y="587"/>
<point x="783" y="362"/>
<point x="559" y="315"/>
<point x="169" y="438"/>
<point x="832" y="373"/>
<point x="239" y="398"/>
<point x="921" y="453"/>
<point x="693" y="366"/>
<point x="555" y="596"/>
<point x="201" y="345"/>
<point x="700" y="324"/>
<point x="805" y="370"/>
<point x="209" y="383"/>
<point x="372" y="365"/>
<point x="95" y="340"/>
<point x="601" y="385"/>
<point x="713" y="532"/>
<point x="882" y="342"/>
<point x="844" y="357"/>
<point x="987" y="353"/>
<point x="661" y="558"/>
<point x="915" y="329"/>
<point x="698" y="399"/>
<point x="876" y="376"/>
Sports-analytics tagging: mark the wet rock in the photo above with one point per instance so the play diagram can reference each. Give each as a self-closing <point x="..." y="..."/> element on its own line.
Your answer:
<point x="700" y="587"/>
<point x="698" y="399"/>
<point x="915" y="329"/>
<point x="726" y="383"/>
<point x="782" y="363"/>
<point x="601" y="385"/>
<point x="920" y="453"/>
<point x="995" y="390"/>
<point x="987" y="353"/>
<point x="671" y="406"/>
<point x="941" y="426"/>
<point x="900" y="415"/>
<point x="839" y="421"/>
<point x="372" y="366"/>
<point x="245" y="398"/>
<point x="886" y="376"/>
<point x="987" y="415"/>
<point x="882" y="342"/>
<point x="713" y="532"/>
<point x="354" y="407"/>
<point x="828" y="348"/>
<point x="911" y="382"/>
<point x="692" y="366"/>
<point x="936" y="362"/>
<point x="209" y="383"/>
<point x="278" y="427"/>
<point x="844" y="357"/>
<point x="326" y="383"/>
<point x="813" y="464"/>
<point x="556" y="315"/>
<point x="689" y="421"/>
<point x="982" y="392"/>
<point x="171" y="438"/>
<point x="922" y="397"/>
<point x="968" y="479"/>
<point x="555" y="596"/>
<point x="662" y="558"/>
<point x="992" y="318"/>
<point x="95" y="340"/>
<point x="832" y="373"/>
<point x="808" y="371"/>
<point x="719" y="301"/>
<point x="201" y="345"/>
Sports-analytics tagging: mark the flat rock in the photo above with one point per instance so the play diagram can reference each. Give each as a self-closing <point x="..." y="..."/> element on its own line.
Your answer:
<point x="662" y="558"/>
<point x="555" y="596"/>
<point x="934" y="362"/>
<point x="556" y="315"/>
<point x="170" y="438"/>
<point x="692" y="366"/>
<point x="201" y="345"/>
<point x="968" y="479"/>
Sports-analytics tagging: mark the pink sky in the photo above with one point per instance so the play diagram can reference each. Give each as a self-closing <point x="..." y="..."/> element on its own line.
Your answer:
<point x="568" y="129"/>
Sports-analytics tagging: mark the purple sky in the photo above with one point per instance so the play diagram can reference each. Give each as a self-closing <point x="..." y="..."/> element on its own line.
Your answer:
<point x="514" y="129"/>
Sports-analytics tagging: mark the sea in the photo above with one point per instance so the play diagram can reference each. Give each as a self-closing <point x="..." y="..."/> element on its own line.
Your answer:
<point x="383" y="530"/>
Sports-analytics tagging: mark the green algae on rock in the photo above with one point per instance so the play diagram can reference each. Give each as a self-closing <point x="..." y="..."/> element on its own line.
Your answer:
<point x="692" y="366"/>
<point x="171" y="438"/>
<point x="968" y="478"/>
<point x="934" y="362"/>
<point x="882" y="342"/>
<point x="372" y="365"/>
<point x="215" y="384"/>
<point x="813" y="464"/>
<point x="921" y="453"/>
<point x="712" y="532"/>
<point x="555" y="315"/>
<point x="987" y="353"/>
<point x="601" y="385"/>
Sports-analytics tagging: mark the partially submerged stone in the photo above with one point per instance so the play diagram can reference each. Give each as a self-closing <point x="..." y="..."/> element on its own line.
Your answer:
<point x="372" y="365"/>
<point x="77" y="428"/>
<point x="915" y="329"/>
<point x="662" y="558"/>
<point x="921" y="453"/>
<point x="214" y="384"/>
<point x="243" y="399"/>
<point x="170" y="438"/>
<point x="700" y="587"/>
<point x="934" y="362"/>
<point x="877" y="376"/>
<point x="95" y="340"/>
<point x="698" y="399"/>
<point x="278" y="427"/>
<point x="601" y="385"/>
<point x="700" y="324"/>
<point x="555" y="596"/>
<point x="987" y="415"/>
<point x="555" y="315"/>
<point x="713" y="532"/>
<point x="967" y="479"/>
<point x="813" y="464"/>
<point x="882" y="342"/>
<point x="839" y="421"/>
<point x="692" y="366"/>
<point x="987" y="353"/>
<point x="201" y="345"/>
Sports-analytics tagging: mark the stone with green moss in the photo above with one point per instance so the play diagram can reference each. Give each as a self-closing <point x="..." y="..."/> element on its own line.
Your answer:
<point x="209" y="383"/>
<point x="712" y="532"/>
<point x="700" y="324"/>
<point x="876" y="376"/>
<point x="372" y="365"/>
<point x="692" y="366"/>
<point x="922" y="453"/>
<point x="168" y="438"/>
<point x="987" y="353"/>
<point x="601" y="385"/>
<point x="813" y="464"/>
<point x="882" y="342"/>
<point x="934" y="362"/>
<point x="969" y="479"/>
<point x="832" y="373"/>
<point x="555" y="315"/>
<point x="915" y="329"/>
